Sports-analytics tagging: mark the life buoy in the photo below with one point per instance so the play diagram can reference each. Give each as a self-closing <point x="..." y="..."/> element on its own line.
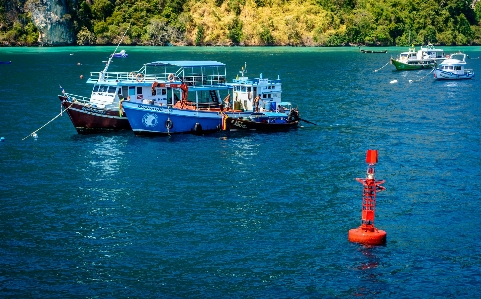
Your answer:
<point x="169" y="124"/>
<point x="171" y="77"/>
<point x="139" y="77"/>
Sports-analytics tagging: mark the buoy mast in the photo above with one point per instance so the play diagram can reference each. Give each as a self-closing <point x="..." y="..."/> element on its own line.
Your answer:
<point x="367" y="233"/>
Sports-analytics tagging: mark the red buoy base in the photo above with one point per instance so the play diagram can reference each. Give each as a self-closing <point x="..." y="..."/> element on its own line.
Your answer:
<point x="366" y="236"/>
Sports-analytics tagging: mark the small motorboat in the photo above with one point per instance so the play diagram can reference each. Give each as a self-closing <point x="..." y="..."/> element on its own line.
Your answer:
<point x="453" y="68"/>
<point x="121" y="54"/>
<point x="5" y="62"/>
<point x="263" y="121"/>
<point x="373" y="51"/>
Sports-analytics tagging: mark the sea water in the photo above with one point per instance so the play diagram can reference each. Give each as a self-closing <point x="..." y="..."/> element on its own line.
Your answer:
<point x="242" y="215"/>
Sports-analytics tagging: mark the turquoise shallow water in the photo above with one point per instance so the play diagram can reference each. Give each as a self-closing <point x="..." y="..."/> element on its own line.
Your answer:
<point x="242" y="215"/>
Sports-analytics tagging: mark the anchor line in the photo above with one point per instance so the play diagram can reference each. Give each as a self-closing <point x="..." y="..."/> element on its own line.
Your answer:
<point x="411" y="81"/>
<point x="382" y="67"/>
<point x="47" y="122"/>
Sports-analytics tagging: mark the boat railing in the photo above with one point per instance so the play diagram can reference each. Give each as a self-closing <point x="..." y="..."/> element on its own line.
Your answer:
<point x="255" y="81"/>
<point x="77" y="98"/>
<point x="95" y="76"/>
<point x="189" y="79"/>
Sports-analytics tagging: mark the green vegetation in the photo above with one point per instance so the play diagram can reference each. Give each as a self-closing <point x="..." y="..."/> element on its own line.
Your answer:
<point x="257" y="22"/>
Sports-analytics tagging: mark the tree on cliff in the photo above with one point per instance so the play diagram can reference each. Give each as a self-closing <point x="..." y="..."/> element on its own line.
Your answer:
<point x="247" y="22"/>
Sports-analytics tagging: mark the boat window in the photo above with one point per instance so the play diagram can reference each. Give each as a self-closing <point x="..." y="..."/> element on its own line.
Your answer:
<point x="112" y="89"/>
<point x="96" y="88"/>
<point x="164" y="91"/>
<point x="119" y="91"/>
<point x="103" y="88"/>
<point x="131" y="90"/>
<point x="458" y="67"/>
<point x="139" y="89"/>
<point x="243" y="89"/>
<point x="249" y="89"/>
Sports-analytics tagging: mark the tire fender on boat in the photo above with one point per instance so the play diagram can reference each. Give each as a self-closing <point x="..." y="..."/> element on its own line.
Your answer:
<point x="171" y="77"/>
<point x="169" y="124"/>
<point x="198" y="128"/>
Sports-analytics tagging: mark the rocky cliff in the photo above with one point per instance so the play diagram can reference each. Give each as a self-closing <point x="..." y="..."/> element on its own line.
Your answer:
<point x="52" y="20"/>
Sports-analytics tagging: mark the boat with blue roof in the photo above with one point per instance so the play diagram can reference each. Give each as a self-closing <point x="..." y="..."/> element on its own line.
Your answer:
<point x="197" y="99"/>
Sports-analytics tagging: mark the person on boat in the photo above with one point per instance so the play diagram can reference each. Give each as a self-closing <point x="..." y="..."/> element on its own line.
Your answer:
<point x="256" y="102"/>
<point x="280" y="108"/>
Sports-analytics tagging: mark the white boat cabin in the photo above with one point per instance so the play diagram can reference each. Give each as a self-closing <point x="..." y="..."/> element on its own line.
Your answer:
<point x="454" y="64"/>
<point x="430" y="52"/>
<point x="250" y="94"/>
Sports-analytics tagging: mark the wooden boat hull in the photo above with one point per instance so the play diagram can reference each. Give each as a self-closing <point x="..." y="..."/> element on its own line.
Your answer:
<point x="241" y="124"/>
<point x="401" y="66"/>
<point x="87" y="119"/>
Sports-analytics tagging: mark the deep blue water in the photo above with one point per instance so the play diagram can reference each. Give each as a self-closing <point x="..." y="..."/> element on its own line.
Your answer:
<point x="242" y="215"/>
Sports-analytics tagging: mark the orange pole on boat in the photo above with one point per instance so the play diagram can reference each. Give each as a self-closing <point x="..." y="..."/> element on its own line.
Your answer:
<point x="367" y="233"/>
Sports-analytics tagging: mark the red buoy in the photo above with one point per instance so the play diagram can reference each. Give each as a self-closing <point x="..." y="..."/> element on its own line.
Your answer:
<point x="367" y="233"/>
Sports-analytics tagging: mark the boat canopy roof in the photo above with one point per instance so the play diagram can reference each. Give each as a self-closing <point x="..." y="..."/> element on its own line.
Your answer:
<point x="457" y="58"/>
<point x="187" y="63"/>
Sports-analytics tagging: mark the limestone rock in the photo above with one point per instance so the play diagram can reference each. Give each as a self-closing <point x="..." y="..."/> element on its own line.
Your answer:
<point x="52" y="20"/>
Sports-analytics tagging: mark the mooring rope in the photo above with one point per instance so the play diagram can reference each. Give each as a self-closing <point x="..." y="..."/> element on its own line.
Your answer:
<point x="411" y="81"/>
<point x="383" y="66"/>
<point x="48" y="122"/>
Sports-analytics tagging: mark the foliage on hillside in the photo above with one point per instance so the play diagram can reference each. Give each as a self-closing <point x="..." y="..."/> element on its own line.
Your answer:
<point x="258" y="22"/>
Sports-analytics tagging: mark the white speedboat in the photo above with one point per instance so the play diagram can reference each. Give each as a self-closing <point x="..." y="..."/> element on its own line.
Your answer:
<point x="453" y="68"/>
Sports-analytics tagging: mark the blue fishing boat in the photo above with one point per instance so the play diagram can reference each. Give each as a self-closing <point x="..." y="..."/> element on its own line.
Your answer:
<point x="197" y="98"/>
<point x="5" y="62"/>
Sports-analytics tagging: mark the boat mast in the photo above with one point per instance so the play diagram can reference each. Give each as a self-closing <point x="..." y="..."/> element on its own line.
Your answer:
<point x="104" y="71"/>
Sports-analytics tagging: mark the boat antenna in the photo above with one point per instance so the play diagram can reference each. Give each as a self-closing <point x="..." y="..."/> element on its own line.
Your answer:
<point x="102" y="73"/>
<point x="243" y="69"/>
